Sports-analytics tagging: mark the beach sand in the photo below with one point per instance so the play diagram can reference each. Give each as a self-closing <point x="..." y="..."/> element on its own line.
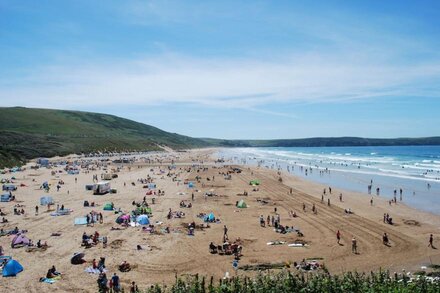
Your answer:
<point x="178" y="253"/>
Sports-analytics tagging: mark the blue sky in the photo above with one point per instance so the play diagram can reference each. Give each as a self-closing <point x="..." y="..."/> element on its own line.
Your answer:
<point x="230" y="69"/>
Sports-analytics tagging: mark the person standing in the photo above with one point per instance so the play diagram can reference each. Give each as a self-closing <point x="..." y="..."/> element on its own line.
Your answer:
<point x="354" y="245"/>
<point x="225" y="231"/>
<point x="431" y="241"/>
<point x="338" y="236"/>
<point x="134" y="288"/>
<point x="115" y="283"/>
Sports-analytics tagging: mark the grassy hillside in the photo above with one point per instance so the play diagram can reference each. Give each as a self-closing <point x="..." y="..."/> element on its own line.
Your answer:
<point x="29" y="133"/>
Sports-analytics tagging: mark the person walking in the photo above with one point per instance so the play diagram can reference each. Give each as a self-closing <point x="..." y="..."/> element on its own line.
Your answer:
<point x="225" y="231"/>
<point x="385" y="239"/>
<point x="431" y="241"/>
<point x="338" y="236"/>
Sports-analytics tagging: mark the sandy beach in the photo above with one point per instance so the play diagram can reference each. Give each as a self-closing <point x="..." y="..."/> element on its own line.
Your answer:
<point x="166" y="254"/>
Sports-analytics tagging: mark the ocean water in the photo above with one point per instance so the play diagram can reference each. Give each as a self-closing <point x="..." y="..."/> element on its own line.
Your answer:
<point x="414" y="169"/>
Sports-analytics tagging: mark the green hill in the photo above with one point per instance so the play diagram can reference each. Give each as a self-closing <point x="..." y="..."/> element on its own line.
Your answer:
<point x="29" y="133"/>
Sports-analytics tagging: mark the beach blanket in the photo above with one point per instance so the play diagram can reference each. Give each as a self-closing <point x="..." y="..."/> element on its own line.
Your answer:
<point x="91" y="270"/>
<point x="50" y="280"/>
<point x="61" y="213"/>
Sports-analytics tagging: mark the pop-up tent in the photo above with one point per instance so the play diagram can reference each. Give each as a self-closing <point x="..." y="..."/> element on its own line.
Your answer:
<point x="143" y="220"/>
<point x="209" y="218"/>
<point x="77" y="258"/>
<point x="19" y="240"/>
<point x="254" y="182"/>
<point x="5" y="197"/>
<point x="151" y="185"/>
<point x="12" y="268"/>
<point x="123" y="218"/>
<point x="45" y="200"/>
<point x="108" y="206"/>
<point x="190" y="184"/>
<point x="241" y="204"/>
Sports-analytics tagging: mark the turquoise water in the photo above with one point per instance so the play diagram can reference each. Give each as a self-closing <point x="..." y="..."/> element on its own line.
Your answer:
<point x="414" y="169"/>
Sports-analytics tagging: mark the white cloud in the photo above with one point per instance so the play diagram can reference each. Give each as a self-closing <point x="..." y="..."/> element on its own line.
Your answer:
<point x="220" y="82"/>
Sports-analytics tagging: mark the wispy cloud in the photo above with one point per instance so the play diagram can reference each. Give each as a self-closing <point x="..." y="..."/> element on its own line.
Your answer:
<point x="226" y="83"/>
<point x="334" y="57"/>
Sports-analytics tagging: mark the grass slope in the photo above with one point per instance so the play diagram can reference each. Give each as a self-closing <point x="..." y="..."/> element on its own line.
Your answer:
<point x="28" y="133"/>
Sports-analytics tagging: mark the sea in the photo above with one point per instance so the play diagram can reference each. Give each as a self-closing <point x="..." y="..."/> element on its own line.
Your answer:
<point x="411" y="174"/>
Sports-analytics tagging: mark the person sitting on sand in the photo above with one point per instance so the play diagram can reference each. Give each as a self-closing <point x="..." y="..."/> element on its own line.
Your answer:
<point x="4" y="220"/>
<point x="95" y="237"/>
<point x="101" y="264"/>
<point x="85" y="238"/>
<point x="1" y="251"/>
<point x="49" y="274"/>
<point x="124" y="266"/>
<point x="94" y="264"/>
<point x="54" y="271"/>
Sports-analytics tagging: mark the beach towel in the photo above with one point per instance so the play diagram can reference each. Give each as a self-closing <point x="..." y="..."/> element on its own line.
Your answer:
<point x="64" y="212"/>
<point x="91" y="270"/>
<point x="50" y="280"/>
<point x="297" y="245"/>
<point x="277" y="242"/>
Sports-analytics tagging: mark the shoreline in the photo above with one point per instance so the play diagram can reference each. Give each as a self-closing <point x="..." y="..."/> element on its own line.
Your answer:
<point x="417" y="193"/>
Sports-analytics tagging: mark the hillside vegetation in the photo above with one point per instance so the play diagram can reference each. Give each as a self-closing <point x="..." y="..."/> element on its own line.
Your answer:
<point x="30" y="133"/>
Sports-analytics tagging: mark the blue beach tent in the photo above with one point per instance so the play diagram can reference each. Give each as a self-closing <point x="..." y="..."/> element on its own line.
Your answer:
<point x="143" y="220"/>
<point x="12" y="268"/>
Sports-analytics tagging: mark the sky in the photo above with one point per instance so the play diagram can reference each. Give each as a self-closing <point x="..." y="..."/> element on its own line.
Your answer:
<point x="230" y="69"/>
